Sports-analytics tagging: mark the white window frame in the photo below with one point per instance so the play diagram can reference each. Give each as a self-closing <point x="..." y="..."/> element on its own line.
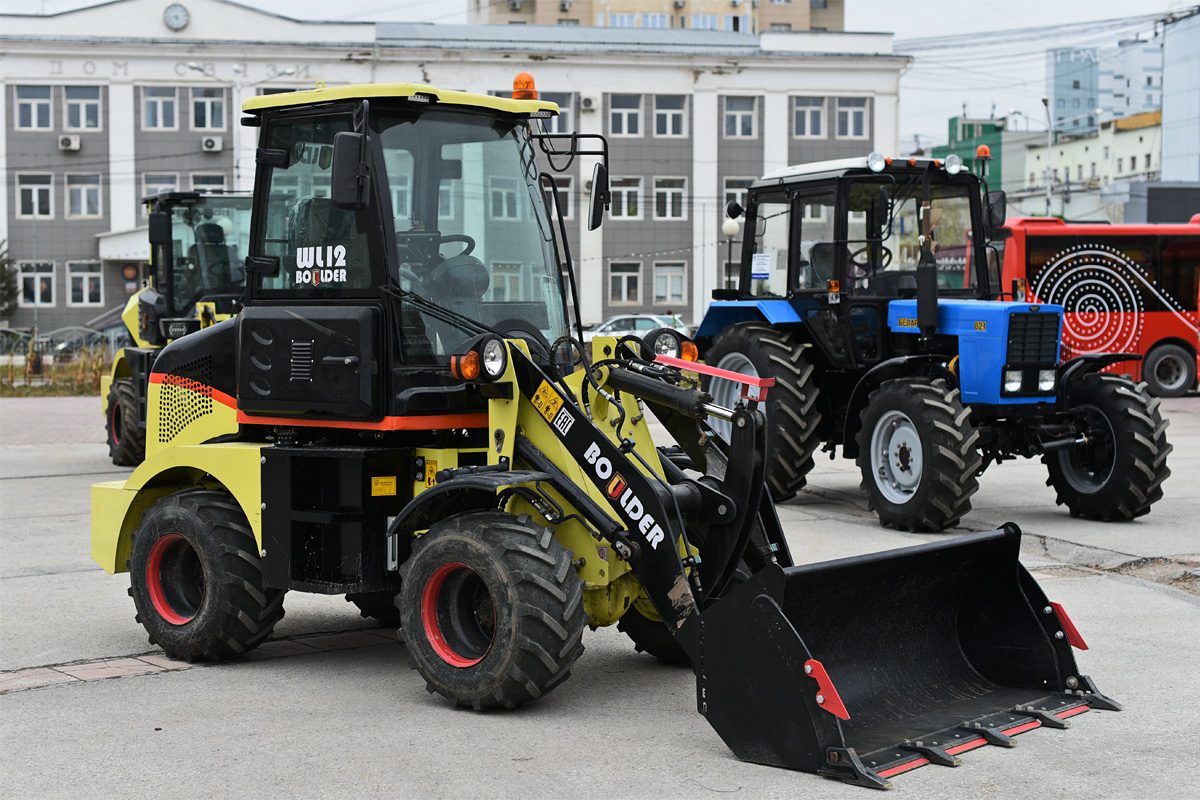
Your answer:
<point x="86" y="277"/>
<point x="809" y="113"/>
<point x="510" y="273"/>
<point x="37" y="189"/>
<point x="208" y="102"/>
<point x="446" y="204"/>
<point x="850" y="113"/>
<point x="160" y="102"/>
<point x="68" y="190"/>
<point x="563" y="194"/>
<point x="159" y="187"/>
<point x="625" y="114"/>
<point x="400" y="188"/>
<point x="209" y="187"/>
<point x="83" y="104"/>
<point x="656" y="21"/>
<point x="739" y="116"/>
<point x="625" y="275"/>
<point x="508" y="190"/>
<point x="620" y="194"/>
<point x="738" y="192"/>
<point x="622" y="20"/>
<point x="38" y="276"/>
<point x="34" y="103"/>
<point x="706" y="22"/>
<point x="673" y="196"/>
<point x="564" y="121"/>
<point x="806" y="212"/>
<point x="669" y="115"/>
<point x="670" y="299"/>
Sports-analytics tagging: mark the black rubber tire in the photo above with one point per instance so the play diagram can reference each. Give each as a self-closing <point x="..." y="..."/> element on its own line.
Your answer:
<point x="126" y="436"/>
<point x="1169" y="371"/>
<point x="651" y="636"/>
<point x="950" y="460"/>
<point x="196" y="578"/>
<point x="482" y="561"/>
<point x="792" y="412"/>
<point x="1120" y="477"/>
<point x="380" y="606"/>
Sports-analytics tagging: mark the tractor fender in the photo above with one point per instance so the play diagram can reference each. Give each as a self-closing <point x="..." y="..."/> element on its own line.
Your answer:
<point x="1074" y="369"/>
<point x="723" y="313"/>
<point x="885" y="371"/>
<point x="464" y="492"/>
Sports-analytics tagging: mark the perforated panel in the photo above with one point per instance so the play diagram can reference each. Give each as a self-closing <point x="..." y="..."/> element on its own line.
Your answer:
<point x="186" y="396"/>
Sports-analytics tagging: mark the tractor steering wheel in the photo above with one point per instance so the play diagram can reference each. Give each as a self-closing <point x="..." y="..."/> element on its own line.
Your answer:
<point x="458" y="237"/>
<point x="859" y="269"/>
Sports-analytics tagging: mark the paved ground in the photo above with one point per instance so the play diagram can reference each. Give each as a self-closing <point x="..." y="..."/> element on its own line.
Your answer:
<point x="329" y="709"/>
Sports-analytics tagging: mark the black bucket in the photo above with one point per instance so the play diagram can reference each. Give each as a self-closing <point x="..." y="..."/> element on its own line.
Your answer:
<point x="864" y="667"/>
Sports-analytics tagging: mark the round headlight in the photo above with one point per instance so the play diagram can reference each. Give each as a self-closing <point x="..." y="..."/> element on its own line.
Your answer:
<point x="495" y="358"/>
<point x="954" y="164"/>
<point x="666" y="344"/>
<point x="876" y="162"/>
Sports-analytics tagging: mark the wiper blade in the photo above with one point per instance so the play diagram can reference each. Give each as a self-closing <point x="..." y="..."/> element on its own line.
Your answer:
<point x="438" y="310"/>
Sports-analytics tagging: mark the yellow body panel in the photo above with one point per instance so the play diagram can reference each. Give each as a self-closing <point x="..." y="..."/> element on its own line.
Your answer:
<point x="185" y="413"/>
<point x="130" y="317"/>
<point x="366" y="90"/>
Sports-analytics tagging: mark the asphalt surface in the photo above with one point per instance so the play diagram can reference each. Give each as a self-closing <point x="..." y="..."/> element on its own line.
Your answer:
<point x="330" y="708"/>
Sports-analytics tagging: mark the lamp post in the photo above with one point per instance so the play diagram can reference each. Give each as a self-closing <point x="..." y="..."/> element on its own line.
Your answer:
<point x="1050" y="126"/>
<point x="730" y="228"/>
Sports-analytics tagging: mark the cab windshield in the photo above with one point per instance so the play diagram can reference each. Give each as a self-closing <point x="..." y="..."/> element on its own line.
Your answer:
<point x="209" y="242"/>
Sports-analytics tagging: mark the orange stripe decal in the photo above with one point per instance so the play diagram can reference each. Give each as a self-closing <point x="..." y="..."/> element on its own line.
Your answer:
<point x="192" y="385"/>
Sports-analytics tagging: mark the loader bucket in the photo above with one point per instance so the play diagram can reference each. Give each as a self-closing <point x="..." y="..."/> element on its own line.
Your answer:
<point x="866" y="667"/>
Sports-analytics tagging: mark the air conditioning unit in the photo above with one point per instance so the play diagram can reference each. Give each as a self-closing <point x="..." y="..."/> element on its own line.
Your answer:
<point x="589" y="103"/>
<point x="735" y="3"/>
<point x="564" y="5"/>
<point x="68" y="143"/>
<point x="514" y="5"/>
<point x="212" y="144"/>
<point x="680" y="3"/>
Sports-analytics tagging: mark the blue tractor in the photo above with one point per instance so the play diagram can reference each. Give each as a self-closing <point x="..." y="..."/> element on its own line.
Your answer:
<point x="870" y="291"/>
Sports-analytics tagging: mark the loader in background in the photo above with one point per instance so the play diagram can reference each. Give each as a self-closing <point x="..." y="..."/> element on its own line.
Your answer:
<point x="399" y="416"/>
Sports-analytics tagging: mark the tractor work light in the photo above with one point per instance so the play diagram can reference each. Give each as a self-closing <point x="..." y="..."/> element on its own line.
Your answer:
<point x="495" y="358"/>
<point x="876" y="162"/>
<point x="954" y="164"/>
<point x="1012" y="380"/>
<point x="1046" y="379"/>
<point x="670" y="343"/>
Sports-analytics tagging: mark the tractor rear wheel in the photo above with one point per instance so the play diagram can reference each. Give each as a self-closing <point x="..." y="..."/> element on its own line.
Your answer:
<point x="126" y="436"/>
<point x="492" y="609"/>
<point x="1119" y="473"/>
<point x="1169" y="371"/>
<point x="791" y="409"/>
<point x="379" y="606"/>
<point x="196" y="578"/>
<point x="917" y="454"/>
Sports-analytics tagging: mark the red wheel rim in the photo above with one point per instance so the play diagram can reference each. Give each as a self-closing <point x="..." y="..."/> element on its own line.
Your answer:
<point x="114" y="421"/>
<point x="175" y="579"/>
<point x="458" y="615"/>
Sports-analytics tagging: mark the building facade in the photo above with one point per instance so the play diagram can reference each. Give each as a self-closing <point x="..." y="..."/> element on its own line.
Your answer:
<point x="105" y="105"/>
<point x="734" y="16"/>
<point x="1120" y="81"/>
<point x="1181" y="101"/>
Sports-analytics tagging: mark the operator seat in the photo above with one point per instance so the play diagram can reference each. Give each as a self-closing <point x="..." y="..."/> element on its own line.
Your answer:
<point x="212" y="257"/>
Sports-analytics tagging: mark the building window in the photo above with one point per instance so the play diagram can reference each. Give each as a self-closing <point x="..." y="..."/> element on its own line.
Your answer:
<point x="852" y="118"/>
<point x="502" y="198"/>
<point x="208" y="109"/>
<point x="35" y="196"/>
<point x="807" y="117"/>
<point x="625" y="115"/>
<point x="1061" y="103"/>
<point x="1149" y="99"/>
<point x="1079" y="172"/>
<point x="623" y="280"/>
<point x="1120" y="165"/>
<point x="155" y="183"/>
<point x="568" y="22"/>
<point x="37" y="283"/>
<point x="668" y="283"/>
<point x="1032" y="179"/>
<point x="1106" y="152"/>
<point x="735" y="190"/>
<point x="83" y="108"/>
<point x="1093" y="173"/>
<point x="622" y="20"/>
<point x="1146" y="161"/>
<point x="1149" y="81"/>
<point x="158" y="109"/>
<point x="780" y="26"/>
<point x="781" y="2"/>
<point x="739" y="117"/>
<point x="626" y="198"/>
<point x="656" y="20"/>
<point x="1075" y="103"/>
<point x="818" y="3"/>
<point x="33" y="108"/>
<point x="668" y="115"/>
<point x="208" y="182"/>
<point x="83" y="195"/>
<point x="563" y="123"/>
<point x="1075" y="85"/>
<point x="668" y="198"/>
<point x="561" y="196"/>
<point x="85" y="280"/>
<point x="706" y="22"/>
<point x="506" y="283"/>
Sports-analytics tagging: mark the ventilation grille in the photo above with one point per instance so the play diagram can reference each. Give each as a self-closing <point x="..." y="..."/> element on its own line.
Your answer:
<point x="186" y="396"/>
<point x="1032" y="338"/>
<point x="302" y="360"/>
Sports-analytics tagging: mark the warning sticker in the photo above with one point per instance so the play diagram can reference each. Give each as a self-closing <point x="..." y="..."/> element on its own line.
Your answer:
<point x="547" y="401"/>
<point x="383" y="487"/>
<point x="430" y="473"/>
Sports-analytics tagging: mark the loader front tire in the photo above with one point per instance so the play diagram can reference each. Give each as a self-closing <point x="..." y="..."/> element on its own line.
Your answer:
<point x="126" y="436"/>
<point x="917" y="454"/>
<point x="380" y="606"/>
<point x="196" y="578"/>
<point x="492" y="609"/>
<point x="651" y="636"/>
<point x="792" y="411"/>
<point x="1119" y="473"/>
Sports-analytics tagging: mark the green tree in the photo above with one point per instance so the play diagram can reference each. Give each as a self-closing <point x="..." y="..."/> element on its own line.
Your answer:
<point x="9" y="289"/>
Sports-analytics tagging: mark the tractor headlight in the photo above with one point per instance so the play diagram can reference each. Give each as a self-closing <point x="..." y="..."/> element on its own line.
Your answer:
<point x="1012" y="380"/>
<point x="666" y="344"/>
<point x="954" y="164"/>
<point x="1046" y="379"/>
<point x="495" y="358"/>
<point x="670" y="343"/>
<point x="876" y="162"/>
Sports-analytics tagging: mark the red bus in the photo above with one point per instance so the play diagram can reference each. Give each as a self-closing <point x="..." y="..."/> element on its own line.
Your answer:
<point x="1125" y="289"/>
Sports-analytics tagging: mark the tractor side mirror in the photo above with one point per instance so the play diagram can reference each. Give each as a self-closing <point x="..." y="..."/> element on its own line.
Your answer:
<point x="733" y="209"/>
<point x="601" y="197"/>
<point x="160" y="227"/>
<point x="883" y="213"/>
<point x="996" y="209"/>
<point x="349" y="180"/>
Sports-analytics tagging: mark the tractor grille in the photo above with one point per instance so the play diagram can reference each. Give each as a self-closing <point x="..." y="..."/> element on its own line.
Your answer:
<point x="1032" y="338"/>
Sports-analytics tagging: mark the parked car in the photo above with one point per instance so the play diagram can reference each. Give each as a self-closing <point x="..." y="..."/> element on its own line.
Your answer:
<point x="635" y="324"/>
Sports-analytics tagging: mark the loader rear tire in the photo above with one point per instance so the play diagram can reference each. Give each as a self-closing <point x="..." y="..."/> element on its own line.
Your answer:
<point x="792" y="411"/>
<point x="1120" y="474"/>
<point x="126" y="436"/>
<point x="492" y="609"/>
<point x="380" y="606"/>
<point x="917" y="454"/>
<point x="196" y="578"/>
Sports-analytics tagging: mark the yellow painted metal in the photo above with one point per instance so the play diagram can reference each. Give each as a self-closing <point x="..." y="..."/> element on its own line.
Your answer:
<point x="212" y="317"/>
<point x="185" y="414"/>
<point x="369" y="90"/>
<point x="130" y="317"/>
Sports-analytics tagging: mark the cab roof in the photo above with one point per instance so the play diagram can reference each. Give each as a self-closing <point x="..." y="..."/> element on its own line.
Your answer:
<point x="430" y="94"/>
<point x="838" y="167"/>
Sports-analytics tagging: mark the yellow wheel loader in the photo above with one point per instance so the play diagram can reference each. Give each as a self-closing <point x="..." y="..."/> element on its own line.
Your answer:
<point x="401" y="414"/>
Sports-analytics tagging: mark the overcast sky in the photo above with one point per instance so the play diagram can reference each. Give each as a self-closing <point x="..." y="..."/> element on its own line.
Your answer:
<point x="1006" y="75"/>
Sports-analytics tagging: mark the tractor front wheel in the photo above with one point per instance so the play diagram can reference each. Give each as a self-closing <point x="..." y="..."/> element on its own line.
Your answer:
<point x="196" y="578"/>
<point x="651" y="636"/>
<point x="492" y="609"/>
<point x="917" y="454"/>
<point x="1118" y="473"/>
<point x="126" y="436"/>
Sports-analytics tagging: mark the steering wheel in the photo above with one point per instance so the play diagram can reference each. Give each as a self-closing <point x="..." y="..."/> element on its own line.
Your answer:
<point x="860" y="270"/>
<point x="458" y="237"/>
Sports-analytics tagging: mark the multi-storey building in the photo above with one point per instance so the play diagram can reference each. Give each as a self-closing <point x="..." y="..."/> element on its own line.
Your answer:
<point x="104" y="105"/>
<point x="1120" y="81"/>
<point x="735" y="16"/>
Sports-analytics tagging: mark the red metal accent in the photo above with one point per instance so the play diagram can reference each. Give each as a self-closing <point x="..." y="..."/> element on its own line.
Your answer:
<point x="158" y="597"/>
<point x="1025" y="726"/>
<point x="902" y="768"/>
<point x="965" y="746"/>
<point x="762" y="384"/>
<point x="1069" y="628"/>
<point x="194" y="386"/>
<point x="833" y="701"/>
<point x="433" y="630"/>
<point x="430" y="422"/>
<point x="1070" y="712"/>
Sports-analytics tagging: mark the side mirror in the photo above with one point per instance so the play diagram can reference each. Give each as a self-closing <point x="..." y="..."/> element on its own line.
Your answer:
<point x="995" y="209"/>
<point x="160" y="227"/>
<point x="733" y="209"/>
<point x="883" y="214"/>
<point x="450" y="169"/>
<point x="349" y="181"/>
<point x="601" y="196"/>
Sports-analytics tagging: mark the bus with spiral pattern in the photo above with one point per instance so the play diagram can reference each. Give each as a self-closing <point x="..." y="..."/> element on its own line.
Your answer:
<point x="1124" y="288"/>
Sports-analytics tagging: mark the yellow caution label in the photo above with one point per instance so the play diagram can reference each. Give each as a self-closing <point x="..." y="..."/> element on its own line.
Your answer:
<point x="383" y="487"/>
<point x="547" y="401"/>
<point x="907" y="322"/>
<point x="980" y="325"/>
<point x="430" y="473"/>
